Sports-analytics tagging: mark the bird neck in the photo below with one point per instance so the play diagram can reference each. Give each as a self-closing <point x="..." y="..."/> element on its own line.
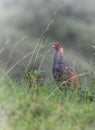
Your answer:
<point x="59" y="56"/>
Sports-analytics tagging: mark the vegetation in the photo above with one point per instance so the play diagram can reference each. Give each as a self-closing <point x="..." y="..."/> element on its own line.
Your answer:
<point x="35" y="101"/>
<point x="44" y="106"/>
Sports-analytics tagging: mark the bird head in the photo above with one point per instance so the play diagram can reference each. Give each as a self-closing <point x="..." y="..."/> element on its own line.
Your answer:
<point x="57" y="46"/>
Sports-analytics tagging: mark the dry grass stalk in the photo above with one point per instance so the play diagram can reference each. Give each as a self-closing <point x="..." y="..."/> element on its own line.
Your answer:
<point x="43" y="57"/>
<point x="78" y="75"/>
<point x="11" y="53"/>
<point x="35" y="49"/>
<point x="2" y="49"/>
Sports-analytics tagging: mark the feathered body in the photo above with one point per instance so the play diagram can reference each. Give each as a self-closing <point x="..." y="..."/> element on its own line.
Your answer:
<point x="62" y="72"/>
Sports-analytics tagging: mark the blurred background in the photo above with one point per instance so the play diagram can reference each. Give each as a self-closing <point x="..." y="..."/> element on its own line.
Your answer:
<point x="24" y="23"/>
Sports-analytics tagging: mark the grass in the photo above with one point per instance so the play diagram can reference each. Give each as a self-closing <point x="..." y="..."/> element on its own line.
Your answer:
<point x="43" y="107"/>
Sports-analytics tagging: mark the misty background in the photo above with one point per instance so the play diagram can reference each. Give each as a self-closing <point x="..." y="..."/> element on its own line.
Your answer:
<point x="70" y="22"/>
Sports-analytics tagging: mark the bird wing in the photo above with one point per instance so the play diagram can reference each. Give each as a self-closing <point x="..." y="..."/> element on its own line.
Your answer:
<point x="73" y="77"/>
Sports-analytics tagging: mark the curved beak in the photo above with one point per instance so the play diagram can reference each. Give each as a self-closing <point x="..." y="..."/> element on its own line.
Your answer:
<point x="53" y="46"/>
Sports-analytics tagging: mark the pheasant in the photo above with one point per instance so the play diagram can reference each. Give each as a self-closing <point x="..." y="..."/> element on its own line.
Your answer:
<point x="62" y="72"/>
